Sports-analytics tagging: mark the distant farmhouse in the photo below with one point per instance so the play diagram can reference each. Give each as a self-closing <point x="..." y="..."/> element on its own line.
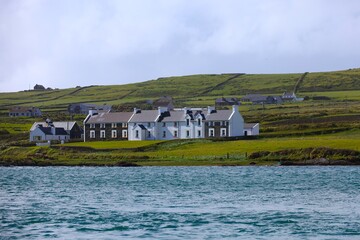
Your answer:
<point x="83" y="108"/>
<point x="164" y="124"/>
<point x="262" y="99"/>
<point x="291" y="97"/>
<point x="48" y="130"/>
<point x="20" y="111"/>
<point x="229" y="101"/>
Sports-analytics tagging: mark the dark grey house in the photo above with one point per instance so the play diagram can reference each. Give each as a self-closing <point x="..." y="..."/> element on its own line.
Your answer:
<point x="106" y="126"/>
<point x="228" y="101"/>
<point x="21" y="111"/>
<point x="83" y="108"/>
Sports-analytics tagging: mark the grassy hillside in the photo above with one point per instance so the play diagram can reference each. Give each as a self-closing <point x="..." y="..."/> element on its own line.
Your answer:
<point x="196" y="90"/>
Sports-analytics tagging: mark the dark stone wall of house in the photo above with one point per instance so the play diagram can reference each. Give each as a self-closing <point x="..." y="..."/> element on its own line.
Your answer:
<point x="108" y="129"/>
<point x="217" y="129"/>
<point x="75" y="132"/>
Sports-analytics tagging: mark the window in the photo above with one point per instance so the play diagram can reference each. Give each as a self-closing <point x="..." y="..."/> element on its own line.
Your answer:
<point x="223" y="132"/>
<point x="137" y="134"/>
<point x="211" y="132"/>
<point x="102" y="125"/>
<point x="187" y="133"/>
<point x="149" y="124"/>
<point x="124" y="125"/>
<point x="113" y="125"/>
<point x="224" y="123"/>
<point x="199" y="133"/>
<point x="92" y="134"/>
<point x="102" y="134"/>
<point x="164" y="134"/>
<point x="187" y="122"/>
<point x="164" y="124"/>
<point x="124" y="133"/>
<point x="211" y="124"/>
<point x="92" y="125"/>
<point x="114" y="134"/>
<point x="175" y="124"/>
<point x="199" y="121"/>
<point x="149" y="134"/>
<point x="175" y="133"/>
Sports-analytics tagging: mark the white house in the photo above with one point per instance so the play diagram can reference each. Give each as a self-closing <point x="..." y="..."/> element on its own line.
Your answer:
<point x="41" y="133"/>
<point x="251" y="129"/>
<point x="165" y="124"/>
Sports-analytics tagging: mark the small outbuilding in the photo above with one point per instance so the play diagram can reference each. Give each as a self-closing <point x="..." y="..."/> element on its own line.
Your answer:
<point x="251" y="129"/>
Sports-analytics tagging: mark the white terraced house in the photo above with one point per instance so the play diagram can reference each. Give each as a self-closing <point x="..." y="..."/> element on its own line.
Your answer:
<point x="164" y="124"/>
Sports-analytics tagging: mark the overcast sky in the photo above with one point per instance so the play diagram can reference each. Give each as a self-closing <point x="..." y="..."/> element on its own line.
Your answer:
<point x="67" y="43"/>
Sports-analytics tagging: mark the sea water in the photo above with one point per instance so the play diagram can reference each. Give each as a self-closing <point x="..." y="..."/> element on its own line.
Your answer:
<point x="180" y="203"/>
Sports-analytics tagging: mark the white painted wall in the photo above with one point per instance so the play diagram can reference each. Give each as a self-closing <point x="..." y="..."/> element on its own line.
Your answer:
<point x="236" y="123"/>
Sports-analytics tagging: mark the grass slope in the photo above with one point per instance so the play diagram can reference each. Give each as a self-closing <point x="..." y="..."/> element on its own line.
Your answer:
<point x="195" y="89"/>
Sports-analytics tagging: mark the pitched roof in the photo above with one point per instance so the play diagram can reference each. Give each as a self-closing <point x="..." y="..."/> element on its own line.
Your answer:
<point x="110" y="117"/>
<point x="219" y="115"/>
<point x="23" y="109"/>
<point x="58" y="131"/>
<point x="175" y="116"/>
<point x="66" y="125"/>
<point x="250" y="125"/>
<point x="145" y="116"/>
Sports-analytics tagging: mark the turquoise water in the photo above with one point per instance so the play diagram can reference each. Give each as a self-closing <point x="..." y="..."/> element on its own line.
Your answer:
<point x="180" y="203"/>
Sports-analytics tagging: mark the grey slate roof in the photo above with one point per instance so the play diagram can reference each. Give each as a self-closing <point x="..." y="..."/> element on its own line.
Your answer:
<point x="58" y="131"/>
<point x="219" y="115"/>
<point x="250" y="125"/>
<point x="175" y="116"/>
<point x="145" y="116"/>
<point x="65" y="125"/>
<point x="110" y="117"/>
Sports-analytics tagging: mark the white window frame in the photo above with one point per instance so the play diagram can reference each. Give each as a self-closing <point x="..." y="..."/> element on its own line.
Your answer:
<point x="187" y="133"/>
<point x="221" y="132"/>
<point x="199" y="121"/>
<point x="102" y="134"/>
<point x="199" y="133"/>
<point x="92" y="134"/>
<point x="187" y="122"/>
<point x="92" y="125"/>
<point x="102" y="125"/>
<point x="124" y="133"/>
<point x="113" y="133"/>
<point x="211" y="132"/>
<point x="149" y="134"/>
<point x="164" y="134"/>
<point x="113" y="125"/>
<point x="124" y="124"/>
<point x="136" y="133"/>
<point x="176" y="133"/>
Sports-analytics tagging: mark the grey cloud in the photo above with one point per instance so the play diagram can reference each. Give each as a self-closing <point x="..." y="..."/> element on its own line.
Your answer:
<point x="68" y="43"/>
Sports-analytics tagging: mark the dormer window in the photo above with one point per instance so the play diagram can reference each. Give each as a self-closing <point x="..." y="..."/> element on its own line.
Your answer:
<point x="187" y="122"/>
<point x="199" y="122"/>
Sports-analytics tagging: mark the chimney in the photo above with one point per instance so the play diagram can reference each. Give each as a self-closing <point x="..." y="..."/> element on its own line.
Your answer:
<point x="92" y="112"/>
<point x="210" y="109"/>
<point x="235" y="108"/>
<point x="137" y="110"/>
<point x="53" y="130"/>
<point x="162" y="109"/>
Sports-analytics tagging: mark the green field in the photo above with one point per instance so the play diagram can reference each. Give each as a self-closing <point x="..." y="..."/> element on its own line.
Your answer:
<point x="328" y="118"/>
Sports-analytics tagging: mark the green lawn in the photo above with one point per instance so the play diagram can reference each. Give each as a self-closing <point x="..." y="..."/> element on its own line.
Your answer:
<point x="112" y="144"/>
